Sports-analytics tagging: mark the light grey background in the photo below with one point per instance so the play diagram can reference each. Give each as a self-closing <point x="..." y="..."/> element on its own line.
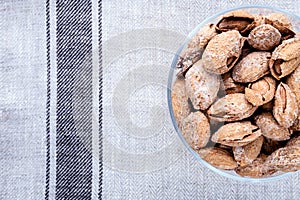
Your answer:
<point x="22" y="99"/>
<point x="140" y="164"/>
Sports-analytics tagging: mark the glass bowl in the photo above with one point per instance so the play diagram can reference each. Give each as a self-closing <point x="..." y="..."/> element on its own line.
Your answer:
<point x="264" y="10"/>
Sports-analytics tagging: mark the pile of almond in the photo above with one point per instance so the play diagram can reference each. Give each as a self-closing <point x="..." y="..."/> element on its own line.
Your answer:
<point x="236" y="98"/>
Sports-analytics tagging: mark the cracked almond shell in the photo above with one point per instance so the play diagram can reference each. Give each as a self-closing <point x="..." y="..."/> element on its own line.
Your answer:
<point x="245" y="155"/>
<point x="285" y="58"/>
<point x="284" y="29"/>
<point x="218" y="157"/>
<point x="261" y="91"/>
<point x="196" y="130"/>
<point x="222" y="52"/>
<point x="202" y="87"/>
<point x="252" y="67"/>
<point x="236" y="134"/>
<point x="186" y="60"/>
<point x="232" y="107"/>
<point x="180" y="104"/>
<point x="280" y="18"/>
<point x="270" y="127"/>
<point x="239" y="20"/>
<point x="285" y="108"/>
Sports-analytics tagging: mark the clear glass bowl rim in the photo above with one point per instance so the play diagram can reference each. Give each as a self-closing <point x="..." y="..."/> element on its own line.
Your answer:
<point x="170" y="82"/>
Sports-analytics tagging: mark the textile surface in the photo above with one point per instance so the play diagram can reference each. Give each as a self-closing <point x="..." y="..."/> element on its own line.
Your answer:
<point x="83" y="103"/>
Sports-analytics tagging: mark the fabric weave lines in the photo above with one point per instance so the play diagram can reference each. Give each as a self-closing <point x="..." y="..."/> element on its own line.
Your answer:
<point x="55" y="54"/>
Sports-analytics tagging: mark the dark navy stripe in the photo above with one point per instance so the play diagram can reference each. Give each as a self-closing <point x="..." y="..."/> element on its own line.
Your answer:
<point x="74" y="99"/>
<point x="100" y="102"/>
<point x="48" y="100"/>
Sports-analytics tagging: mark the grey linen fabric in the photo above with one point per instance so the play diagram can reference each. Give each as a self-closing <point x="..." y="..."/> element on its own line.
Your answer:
<point x="136" y="143"/>
<point x="143" y="158"/>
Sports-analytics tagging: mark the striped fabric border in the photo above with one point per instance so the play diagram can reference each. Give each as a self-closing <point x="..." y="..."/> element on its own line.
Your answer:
<point x="100" y="100"/>
<point x="74" y="53"/>
<point x="74" y="101"/>
<point x="48" y="100"/>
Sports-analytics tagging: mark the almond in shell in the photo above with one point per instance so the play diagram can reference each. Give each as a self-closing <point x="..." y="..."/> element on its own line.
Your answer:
<point x="180" y="104"/>
<point x="264" y="37"/>
<point x="196" y="130"/>
<point x="232" y="107"/>
<point x="285" y="58"/>
<point x="261" y="91"/>
<point x="245" y="155"/>
<point x="195" y="48"/>
<point x="252" y="67"/>
<point x="286" y="159"/>
<point x="236" y="134"/>
<point x="293" y="82"/>
<point x="270" y="127"/>
<point x="202" y="87"/>
<point x="285" y="108"/>
<point x="222" y="52"/>
<point x="218" y="157"/>
<point x="256" y="169"/>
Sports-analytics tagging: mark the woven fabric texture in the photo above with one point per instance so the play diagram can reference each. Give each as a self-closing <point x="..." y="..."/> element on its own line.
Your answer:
<point x="55" y="88"/>
<point x="143" y="157"/>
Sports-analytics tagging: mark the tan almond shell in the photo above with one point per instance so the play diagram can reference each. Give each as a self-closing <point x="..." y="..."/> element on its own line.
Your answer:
<point x="286" y="159"/>
<point x="239" y="20"/>
<point x="180" y="104"/>
<point x="195" y="48"/>
<point x="285" y="31"/>
<point x="232" y="107"/>
<point x="202" y="87"/>
<point x="236" y="134"/>
<point x="245" y="155"/>
<point x="270" y="127"/>
<point x="281" y="18"/>
<point x="196" y="130"/>
<point x="218" y="157"/>
<point x="285" y="108"/>
<point x="293" y="82"/>
<point x="222" y="52"/>
<point x="256" y="169"/>
<point x="203" y="36"/>
<point x="259" y="19"/>
<point x="264" y="37"/>
<point x="261" y="91"/>
<point x="286" y="57"/>
<point x="252" y="67"/>
<point x="294" y="142"/>
<point x="186" y="60"/>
